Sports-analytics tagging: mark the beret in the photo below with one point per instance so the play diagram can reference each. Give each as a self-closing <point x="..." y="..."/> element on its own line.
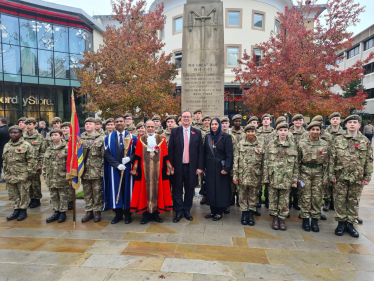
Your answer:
<point x="179" y="118"/>
<point x="237" y="116"/>
<point x="127" y="115"/>
<point x="30" y="120"/>
<point x="140" y="124"/>
<point x="225" y="119"/>
<point x="197" y="110"/>
<point x="109" y="120"/>
<point x="55" y="130"/>
<point x="205" y="117"/>
<point x="22" y="119"/>
<point x="317" y="118"/>
<point x="90" y="119"/>
<point x="252" y="118"/>
<point x="266" y="115"/>
<point x="15" y="127"/>
<point x="313" y="124"/>
<point x="65" y="124"/>
<point x="250" y="127"/>
<point x="56" y="119"/>
<point x="282" y="125"/>
<point x="352" y="117"/>
<point x="335" y="114"/>
<point x="156" y="117"/>
<point x="280" y="119"/>
<point x="170" y="117"/>
<point x="98" y="120"/>
<point x="297" y="116"/>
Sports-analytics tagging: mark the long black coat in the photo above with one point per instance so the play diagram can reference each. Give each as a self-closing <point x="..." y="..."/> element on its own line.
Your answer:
<point x="175" y="150"/>
<point x="4" y="138"/>
<point x="217" y="185"/>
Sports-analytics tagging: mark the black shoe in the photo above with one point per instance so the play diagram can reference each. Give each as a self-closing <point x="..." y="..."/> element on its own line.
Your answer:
<point x="157" y="218"/>
<point x="14" y="215"/>
<point x="251" y="220"/>
<point x="226" y="210"/>
<point x="359" y="220"/>
<point x="257" y="213"/>
<point x="144" y="220"/>
<point x="22" y="215"/>
<point x="31" y="202"/>
<point x="217" y="217"/>
<point x="295" y="204"/>
<point x="332" y="205"/>
<point x="70" y="206"/>
<point x="54" y="217"/>
<point x="306" y="225"/>
<point x="35" y="203"/>
<point x="188" y="216"/>
<point x="62" y="217"/>
<point x="258" y="205"/>
<point x="288" y="216"/>
<point x="244" y="219"/>
<point x="352" y="231"/>
<point x="203" y="201"/>
<point x="314" y="225"/>
<point x="177" y="218"/>
<point x="326" y="206"/>
<point x="128" y="218"/>
<point x="209" y="216"/>
<point x="237" y="199"/>
<point x="323" y="217"/>
<point x="340" y="229"/>
<point x="118" y="217"/>
<point x="232" y="201"/>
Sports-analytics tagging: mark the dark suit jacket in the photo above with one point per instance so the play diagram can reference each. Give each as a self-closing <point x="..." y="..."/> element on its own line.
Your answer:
<point x="119" y="155"/>
<point x="175" y="149"/>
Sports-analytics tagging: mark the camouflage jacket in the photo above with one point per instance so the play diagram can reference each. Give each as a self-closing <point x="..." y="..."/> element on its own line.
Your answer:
<point x="280" y="164"/>
<point x="297" y="134"/>
<point x="197" y="124"/>
<point x="324" y="136"/>
<point x="334" y="134"/>
<point x="204" y="132"/>
<point x="132" y="130"/>
<point x="264" y="135"/>
<point x="313" y="155"/>
<point x="66" y="138"/>
<point x="166" y="134"/>
<point x="351" y="159"/>
<point x="54" y="166"/>
<point x="18" y="161"/>
<point x="274" y="135"/>
<point x="37" y="142"/>
<point x="47" y="140"/>
<point x="160" y="131"/>
<point x="93" y="153"/>
<point x="248" y="162"/>
<point x="101" y="132"/>
<point x="239" y="135"/>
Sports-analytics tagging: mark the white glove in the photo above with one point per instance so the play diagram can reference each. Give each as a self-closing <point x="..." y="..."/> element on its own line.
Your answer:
<point x="125" y="160"/>
<point x="121" y="167"/>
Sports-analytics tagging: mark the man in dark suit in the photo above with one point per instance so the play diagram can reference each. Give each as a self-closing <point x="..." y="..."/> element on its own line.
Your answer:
<point x="4" y="138"/>
<point x="188" y="162"/>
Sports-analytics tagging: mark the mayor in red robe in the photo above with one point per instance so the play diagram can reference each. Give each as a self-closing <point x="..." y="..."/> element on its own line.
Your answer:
<point x="151" y="194"/>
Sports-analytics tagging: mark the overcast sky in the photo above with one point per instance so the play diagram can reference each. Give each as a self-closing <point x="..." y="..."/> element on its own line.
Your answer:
<point x="103" y="7"/>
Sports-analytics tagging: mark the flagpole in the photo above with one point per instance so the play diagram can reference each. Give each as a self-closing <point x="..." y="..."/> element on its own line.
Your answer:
<point x="74" y="208"/>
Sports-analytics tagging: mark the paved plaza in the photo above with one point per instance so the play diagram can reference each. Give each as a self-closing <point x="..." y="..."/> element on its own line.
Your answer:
<point x="198" y="250"/>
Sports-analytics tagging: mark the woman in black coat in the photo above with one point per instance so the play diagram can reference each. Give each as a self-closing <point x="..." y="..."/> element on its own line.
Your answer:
<point x="218" y="158"/>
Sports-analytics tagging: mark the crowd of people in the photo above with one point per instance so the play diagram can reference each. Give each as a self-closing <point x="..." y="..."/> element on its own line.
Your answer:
<point x="149" y="170"/>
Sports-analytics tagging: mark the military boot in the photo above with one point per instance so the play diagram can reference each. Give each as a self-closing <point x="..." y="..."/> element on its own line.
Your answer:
<point x="54" y="217"/>
<point x="31" y="202"/>
<point x="22" y="215"/>
<point x="295" y="204"/>
<point x="62" y="217"/>
<point x="275" y="224"/>
<point x="70" y="206"/>
<point x="266" y="202"/>
<point x="36" y="203"/>
<point x="258" y="205"/>
<point x="97" y="216"/>
<point x="282" y="225"/>
<point x="341" y="228"/>
<point x="326" y="206"/>
<point x="14" y="215"/>
<point x="244" y="219"/>
<point x="352" y="231"/>
<point x="257" y="212"/>
<point x="306" y="225"/>
<point x="89" y="216"/>
<point x="323" y="217"/>
<point x="226" y="210"/>
<point x="332" y="205"/>
<point x="359" y="220"/>
<point x="251" y="220"/>
<point x="315" y="227"/>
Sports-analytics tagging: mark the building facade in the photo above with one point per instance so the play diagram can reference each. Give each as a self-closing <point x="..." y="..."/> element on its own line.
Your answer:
<point x="41" y="45"/>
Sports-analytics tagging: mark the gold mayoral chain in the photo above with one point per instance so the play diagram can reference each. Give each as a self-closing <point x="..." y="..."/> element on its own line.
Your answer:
<point x="153" y="149"/>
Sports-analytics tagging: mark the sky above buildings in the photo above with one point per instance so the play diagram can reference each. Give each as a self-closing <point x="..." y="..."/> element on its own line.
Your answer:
<point x="103" y="7"/>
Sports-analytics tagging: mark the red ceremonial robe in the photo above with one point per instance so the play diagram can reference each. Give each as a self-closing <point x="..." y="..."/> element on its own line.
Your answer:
<point x="151" y="170"/>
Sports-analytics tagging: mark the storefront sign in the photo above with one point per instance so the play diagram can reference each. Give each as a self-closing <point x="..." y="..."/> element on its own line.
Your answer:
<point x="25" y="101"/>
<point x="230" y="99"/>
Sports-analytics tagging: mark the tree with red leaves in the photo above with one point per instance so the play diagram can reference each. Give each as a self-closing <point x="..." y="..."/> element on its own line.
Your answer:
<point x="298" y="66"/>
<point x="130" y="73"/>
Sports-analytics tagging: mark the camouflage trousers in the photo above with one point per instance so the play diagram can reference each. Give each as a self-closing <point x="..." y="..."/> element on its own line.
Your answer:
<point x="278" y="202"/>
<point x="327" y="191"/>
<point x="346" y="200"/>
<point x="19" y="194"/>
<point x="93" y="194"/>
<point x="59" y="198"/>
<point x="36" y="186"/>
<point x="310" y="196"/>
<point x="248" y="197"/>
<point x="70" y="194"/>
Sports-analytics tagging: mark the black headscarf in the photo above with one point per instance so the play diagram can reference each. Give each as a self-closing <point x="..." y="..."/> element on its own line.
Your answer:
<point x="212" y="135"/>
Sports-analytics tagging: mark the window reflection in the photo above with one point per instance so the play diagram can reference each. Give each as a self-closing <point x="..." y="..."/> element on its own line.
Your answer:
<point x="74" y="65"/>
<point x="61" y="38"/>
<point x="29" y="61"/>
<point x="28" y="29"/>
<point x="9" y="29"/>
<point x="61" y="65"/>
<point x="11" y="58"/>
<point x="45" y="63"/>
<point x="45" y="36"/>
<point x="77" y="40"/>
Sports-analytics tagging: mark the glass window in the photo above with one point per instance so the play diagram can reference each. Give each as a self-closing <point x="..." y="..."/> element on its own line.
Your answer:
<point x="30" y="97"/>
<point x="47" y="97"/>
<point x="28" y="29"/>
<point x="340" y="59"/>
<point x="61" y="38"/>
<point x="9" y="29"/>
<point x="45" y="36"/>
<point x="276" y="27"/>
<point x="45" y="63"/>
<point x="258" y="20"/>
<point x="61" y="65"/>
<point x="178" y="24"/>
<point x="77" y="40"/>
<point x="29" y="61"/>
<point x="257" y="54"/>
<point x="369" y="68"/>
<point x="178" y="58"/>
<point x="12" y="117"/>
<point x="63" y="95"/>
<point x="233" y="18"/>
<point x="12" y="94"/>
<point x="11" y="59"/>
<point x="232" y="56"/>
<point x="353" y="52"/>
<point x="74" y="65"/>
<point x="369" y="44"/>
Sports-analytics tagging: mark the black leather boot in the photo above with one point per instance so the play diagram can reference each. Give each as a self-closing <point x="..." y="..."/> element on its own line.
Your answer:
<point x="323" y="217"/>
<point x="267" y="202"/>
<point x="352" y="231"/>
<point x="128" y="218"/>
<point x="258" y="205"/>
<point x="14" y="215"/>
<point x="251" y="220"/>
<point x="70" y="206"/>
<point x="31" y="202"/>
<point x="118" y="217"/>
<point x="295" y="204"/>
<point x="62" y="217"/>
<point x="306" y="225"/>
<point x="35" y="203"/>
<point x="257" y="213"/>
<point x="314" y="225"/>
<point x="54" y="217"/>
<point x="22" y="215"/>
<point x="341" y="228"/>
<point x="244" y="219"/>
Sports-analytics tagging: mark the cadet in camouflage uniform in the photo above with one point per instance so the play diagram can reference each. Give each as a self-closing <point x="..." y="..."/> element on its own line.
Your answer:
<point x="37" y="142"/>
<point x="197" y="122"/>
<point x="313" y="161"/>
<point x="140" y="128"/>
<point x="324" y="135"/>
<point x="92" y="178"/>
<point x="247" y="172"/>
<point x="109" y="126"/>
<point x="157" y="120"/>
<point x="254" y="121"/>
<point x="170" y="124"/>
<point x="351" y="166"/>
<point x="56" y="124"/>
<point x="65" y="128"/>
<point x="281" y="172"/>
<point x="99" y="126"/>
<point x="21" y="124"/>
<point x="206" y="128"/>
<point x="19" y="166"/>
<point x="179" y="121"/>
<point x="129" y="124"/>
<point x="54" y="173"/>
<point x="334" y="130"/>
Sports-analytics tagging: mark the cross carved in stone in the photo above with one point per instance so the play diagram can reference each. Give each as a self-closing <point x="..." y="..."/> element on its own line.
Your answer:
<point x="202" y="18"/>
